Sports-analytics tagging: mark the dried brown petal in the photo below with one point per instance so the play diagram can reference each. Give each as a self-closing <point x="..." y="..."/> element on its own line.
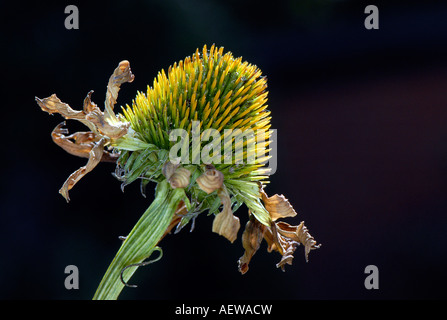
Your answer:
<point x="53" y="104"/>
<point x="251" y="241"/>
<point x="276" y="242"/>
<point x="177" y="177"/>
<point x="79" y="143"/>
<point x="120" y="75"/>
<point x="95" y="116"/>
<point x="270" y="239"/>
<point x="225" y="223"/>
<point x="287" y="256"/>
<point x="285" y="238"/>
<point x="210" y="180"/>
<point x="285" y="246"/>
<point x="82" y="143"/>
<point x="95" y="156"/>
<point x="278" y="206"/>
<point x="281" y="236"/>
<point x="115" y="131"/>
<point x="91" y="116"/>
<point x="180" y="178"/>
<point x="300" y="234"/>
<point x="89" y="105"/>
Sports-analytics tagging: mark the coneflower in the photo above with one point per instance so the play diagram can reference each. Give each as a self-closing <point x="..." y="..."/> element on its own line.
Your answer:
<point x="211" y="108"/>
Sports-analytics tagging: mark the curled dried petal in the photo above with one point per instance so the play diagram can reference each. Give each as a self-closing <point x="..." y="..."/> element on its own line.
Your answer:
<point x="53" y="104"/>
<point x="285" y="238"/>
<point x="210" y="180"/>
<point x="95" y="116"/>
<point x="278" y="206"/>
<point x="276" y="241"/>
<point x="114" y="131"/>
<point x="91" y="116"/>
<point x="225" y="223"/>
<point x="89" y="105"/>
<point x="251" y="241"/>
<point x="300" y="234"/>
<point x="79" y="143"/>
<point x="281" y="236"/>
<point x="287" y="256"/>
<point x="180" y="178"/>
<point x="120" y="75"/>
<point x="95" y="156"/>
<point x="82" y="143"/>
<point x="284" y="245"/>
<point x="177" y="177"/>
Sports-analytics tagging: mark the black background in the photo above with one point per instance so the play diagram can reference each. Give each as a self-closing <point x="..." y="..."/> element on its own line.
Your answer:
<point x="362" y="146"/>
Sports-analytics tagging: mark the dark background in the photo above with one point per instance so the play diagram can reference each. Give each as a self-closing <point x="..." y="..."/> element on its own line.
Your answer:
<point x="362" y="146"/>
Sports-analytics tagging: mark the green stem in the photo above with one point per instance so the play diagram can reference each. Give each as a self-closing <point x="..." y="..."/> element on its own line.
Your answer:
<point x="141" y="241"/>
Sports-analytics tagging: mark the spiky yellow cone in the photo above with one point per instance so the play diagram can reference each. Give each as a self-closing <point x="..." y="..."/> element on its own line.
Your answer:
<point x="210" y="107"/>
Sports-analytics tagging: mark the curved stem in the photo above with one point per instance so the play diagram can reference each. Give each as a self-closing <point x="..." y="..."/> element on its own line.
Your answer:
<point x="141" y="241"/>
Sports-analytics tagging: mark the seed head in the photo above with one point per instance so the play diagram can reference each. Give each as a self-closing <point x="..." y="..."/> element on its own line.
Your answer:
<point x="213" y="90"/>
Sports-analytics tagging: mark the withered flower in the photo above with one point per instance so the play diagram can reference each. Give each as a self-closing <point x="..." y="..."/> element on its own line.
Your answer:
<point x="208" y="96"/>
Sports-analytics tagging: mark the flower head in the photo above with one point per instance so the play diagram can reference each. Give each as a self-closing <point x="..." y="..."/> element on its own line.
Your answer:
<point x="210" y="107"/>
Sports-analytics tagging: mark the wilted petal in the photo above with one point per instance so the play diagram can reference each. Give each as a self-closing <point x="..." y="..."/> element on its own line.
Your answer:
<point x="210" y="180"/>
<point x="91" y="115"/>
<point x="278" y="206"/>
<point x="177" y="177"/>
<point x="281" y="236"/>
<point x="271" y="240"/>
<point x="180" y="178"/>
<point x="89" y="105"/>
<point x="285" y="238"/>
<point x="95" y="116"/>
<point x="276" y="242"/>
<point x="112" y="131"/>
<point x="121" y="74"/>
<point x="53" y="104"/>
<point x="225" y="223"/>
<point x="95" y="156"/>
<point x="287" y="256"/>
<point x="300" y="234"/>
<point x="284" y="245"/>
<point x="251" y="241"/>
<point x="79" y="143"/>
